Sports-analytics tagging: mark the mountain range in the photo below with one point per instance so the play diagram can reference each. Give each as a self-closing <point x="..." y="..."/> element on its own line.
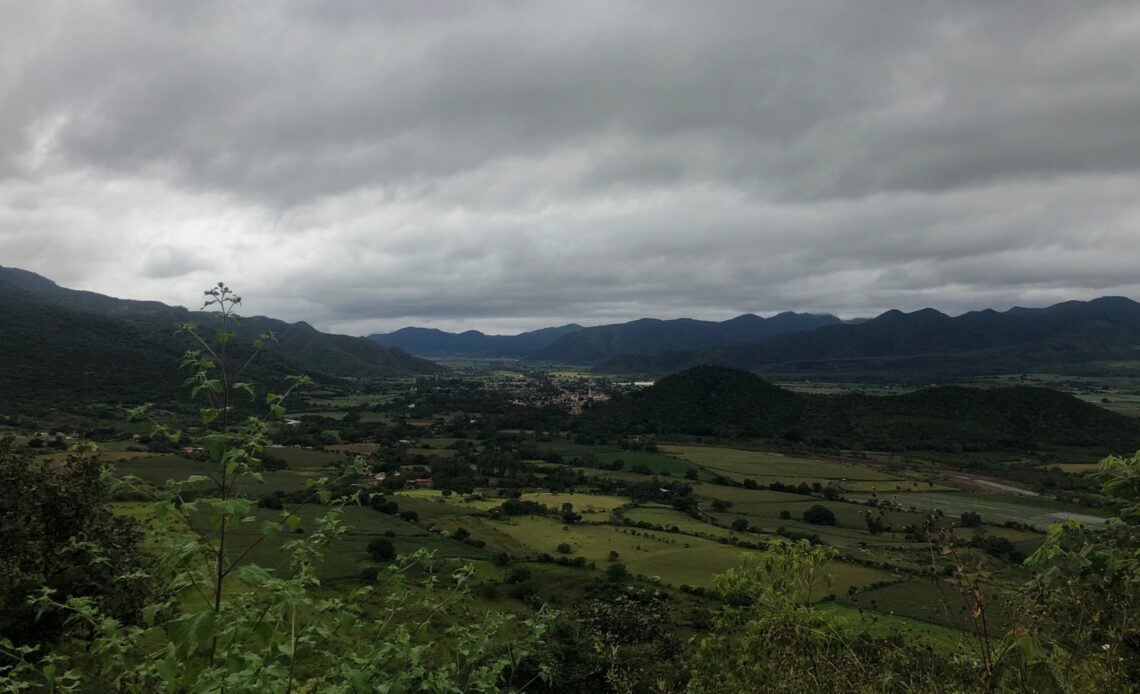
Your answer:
<point x="730" y="403"/>
<point x="573" y="344"/>
<point x="67" y="343"/>
<point x="429" y="342"/>
<point x="1074" y="337"/>
<point x="929" y="342"/>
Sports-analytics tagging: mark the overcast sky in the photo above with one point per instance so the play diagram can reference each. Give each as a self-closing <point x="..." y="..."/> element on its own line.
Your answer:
<point x="505" y="166"/>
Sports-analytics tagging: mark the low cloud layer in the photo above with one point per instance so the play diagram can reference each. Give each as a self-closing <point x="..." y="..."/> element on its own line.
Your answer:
<point x="505" y="166"/>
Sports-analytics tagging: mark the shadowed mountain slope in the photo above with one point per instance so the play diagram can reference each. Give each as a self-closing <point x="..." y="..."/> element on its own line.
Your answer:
<point x="652" y="336"/>
<point x="429" y="342"/>
<point x="85" y="344"/>
<point x="731" y="403"/>
<point x="931" y="342"/>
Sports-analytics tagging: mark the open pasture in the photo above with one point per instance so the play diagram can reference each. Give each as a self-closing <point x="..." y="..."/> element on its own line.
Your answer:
<point x="997" y="508"/>
<point x="348" y="553"/>
<point x="106" y="455"/>
<point x="1127" y="404"/>
<point x="673" y="558"/>
<point x="328" y="414"/>
<point x="669" y="518"/>
<point x="352" y="400"/>
<point x="935" y="602"/>
<point x="594" y="473"/>
<point x="158" y="468"/>
<point x="354" y="449"/>
<point x="657" y="463"/>
<point x="591" y="506"/>
<point x="1075" y="468"/>
<point x="305" y="457"/>
<point x="435" y="496"/>
<point x="769" y="467"/>
<point x="742" y="495"/>
<point x="433" y="452"/>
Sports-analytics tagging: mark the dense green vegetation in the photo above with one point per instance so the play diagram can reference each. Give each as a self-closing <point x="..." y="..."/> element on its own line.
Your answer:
<point x="67" y="347"/>
<point x="713" y="533"/>
<point x="728" y="403"/>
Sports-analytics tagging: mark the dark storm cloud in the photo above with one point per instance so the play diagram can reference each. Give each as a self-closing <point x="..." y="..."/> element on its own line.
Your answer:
<point x="364" y="165"/>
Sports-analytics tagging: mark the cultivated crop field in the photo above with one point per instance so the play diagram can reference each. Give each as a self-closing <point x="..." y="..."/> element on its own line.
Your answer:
<point x="996" y="508"/>
<point x="875" y="571"/>
<point x="765" y="468"/>
<point x="658" y="463"/>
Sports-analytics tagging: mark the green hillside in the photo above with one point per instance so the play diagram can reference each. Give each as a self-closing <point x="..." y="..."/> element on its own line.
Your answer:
<point x="62" y="345"/>
<point x="724" y="402"/>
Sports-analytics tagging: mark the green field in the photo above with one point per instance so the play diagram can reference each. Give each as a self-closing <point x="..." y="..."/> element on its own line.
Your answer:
<point x="740" y="463"/>
<point x="658" y="463"/>
<point x="348" y="554"/>
<point x="305" y="457"/>
<point x="998" y="508"/>
<point x="671" y="518"/>
<point x="925" y="600"/>
<point x="672" y="558"/>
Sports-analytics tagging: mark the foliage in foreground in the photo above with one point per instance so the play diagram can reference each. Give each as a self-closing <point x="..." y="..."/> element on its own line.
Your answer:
<point x="232" y="625"/>
<point x="1076" y="629"/>
<point x="56" y="534"/>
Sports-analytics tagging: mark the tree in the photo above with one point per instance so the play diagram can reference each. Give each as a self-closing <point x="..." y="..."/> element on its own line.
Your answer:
<point x="231" y="625"/>
<point x="819" y="515"/>
<point x="769" y="638"/>
<point x="971" y="519"/>
<point x="565" y="548"/>
<point x="627" y="642"/>
<point x="381" y="549"/>
<point x="617" y="573"/>
<point x="740" y="524"/>
<point x="57" y="534"/>
<point x="1084" y="600"/>
<point x="875" y="524"/>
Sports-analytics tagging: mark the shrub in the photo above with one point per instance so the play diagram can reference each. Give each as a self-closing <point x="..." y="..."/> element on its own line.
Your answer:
<point x="617" y="573"/>
<point x="819" y="515"/>
<point x="381" y="549"/>
<point x="518" y="575"/>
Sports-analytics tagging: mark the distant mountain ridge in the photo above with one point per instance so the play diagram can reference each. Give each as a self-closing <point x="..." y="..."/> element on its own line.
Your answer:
<point x="429" y="342"/>
<point x="573" y="344"/>
<point x="77" y="342"/>
<point x="651" y="336"/>
<point x="928" y="341"/>
<point x="732" y="403"/>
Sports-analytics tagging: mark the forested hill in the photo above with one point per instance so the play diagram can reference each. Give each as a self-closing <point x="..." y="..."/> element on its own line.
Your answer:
<point x="61" y="342"/>
<point x="730" y="403"/>
<point x="429" y="342"/>
<point x="652" y="336"/>
<point x="932" y="343"/>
